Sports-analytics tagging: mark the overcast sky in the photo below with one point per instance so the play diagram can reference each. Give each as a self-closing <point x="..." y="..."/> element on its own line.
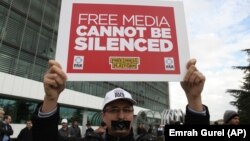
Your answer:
<point x="217" y="30"/>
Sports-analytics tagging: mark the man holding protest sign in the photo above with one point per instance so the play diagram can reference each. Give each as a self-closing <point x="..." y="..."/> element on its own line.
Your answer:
<point x="117" y="111"/>
<point x="145" y="43"/>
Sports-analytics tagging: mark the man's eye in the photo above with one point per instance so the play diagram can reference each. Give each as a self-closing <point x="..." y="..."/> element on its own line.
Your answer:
<point x="127" y="110"/>
<point x="114" y="110"/>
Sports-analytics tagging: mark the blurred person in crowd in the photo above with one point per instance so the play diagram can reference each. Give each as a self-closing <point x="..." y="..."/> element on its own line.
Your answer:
<point x="141" y="129"/>
<point x="89" y="128"/>
<point x="64" y="134"/>
<point x="6" y="129"/>
<point x="231" y="118"/>
<point x="26" y="133"/>
<point x="75" y="131"/>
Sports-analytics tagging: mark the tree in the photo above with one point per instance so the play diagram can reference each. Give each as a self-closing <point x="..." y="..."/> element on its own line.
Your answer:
<point x="242" y="95"/>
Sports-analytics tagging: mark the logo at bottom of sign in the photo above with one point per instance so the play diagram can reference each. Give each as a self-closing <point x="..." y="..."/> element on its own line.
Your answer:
<point x="78" y="62"/>
<point x="169" y="63"/>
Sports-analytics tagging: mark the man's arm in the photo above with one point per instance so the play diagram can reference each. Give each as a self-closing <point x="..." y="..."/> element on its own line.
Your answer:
<point x="54" y="83"/>
<point x="193" y="83"/>
<point x="46" y="116"/>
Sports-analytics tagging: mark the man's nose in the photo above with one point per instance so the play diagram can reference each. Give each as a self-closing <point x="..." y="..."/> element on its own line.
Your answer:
<point x="121" y="114"/>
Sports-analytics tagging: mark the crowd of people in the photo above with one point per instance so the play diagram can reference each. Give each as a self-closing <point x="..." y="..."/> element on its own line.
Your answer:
<point x="117" y="112"/>
<point x="67" y="133"/>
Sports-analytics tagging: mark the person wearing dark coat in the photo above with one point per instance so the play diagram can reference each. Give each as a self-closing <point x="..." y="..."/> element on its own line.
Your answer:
<point x="6" y="129"/>
<point x="89" y="128"/>
<point x="118" y="107"/>
<point x="26" y="133"/>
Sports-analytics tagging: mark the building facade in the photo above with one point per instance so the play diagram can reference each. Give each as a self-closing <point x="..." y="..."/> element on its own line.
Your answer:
<point x="28" y="37"/>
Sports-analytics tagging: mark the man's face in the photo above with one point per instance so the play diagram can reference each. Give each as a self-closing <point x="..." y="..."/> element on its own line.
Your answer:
<point x="64" y="125"/>
<point x="75" y="123"/>
<point x="235" y="120"/>
<point x="29" y="124"/>
<point x="119" y="110"/>
<point x="8" y="120"/>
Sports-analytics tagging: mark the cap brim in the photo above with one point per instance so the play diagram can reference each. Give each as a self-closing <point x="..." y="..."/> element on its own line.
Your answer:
<point x="130" y="100"/>
<point x="122" y="98"/>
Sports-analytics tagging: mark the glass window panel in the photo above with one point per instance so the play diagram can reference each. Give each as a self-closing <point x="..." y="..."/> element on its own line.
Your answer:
<point x="94" y="117"/>
<point x="26" y="57"/>
<point x="29" y="39"/>
<point x="43" y="45"/>
<point x="37" y="72"/>
<point x="36" y="9"/>
<point x="23" y="69"/>
<point x="41" y="62"/>
<point x="51" y="50"/>
<point x="6" y="63"/>
<point x="19" y="110"/>
<point x="21" y="5"/>
<point x="11" y="32"/>
<point x="71" y="114"/>
<point x="77" y="86"/>
<point x="49" y="15"/>
<point x="2" y="21"/>
<point x="8" y="50"/>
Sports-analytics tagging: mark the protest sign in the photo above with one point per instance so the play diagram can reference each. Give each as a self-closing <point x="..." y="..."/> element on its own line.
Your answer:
<point x="122" y="41"/>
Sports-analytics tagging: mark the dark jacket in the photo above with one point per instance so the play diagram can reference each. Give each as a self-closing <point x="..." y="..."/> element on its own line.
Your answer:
<point x="63" y="134"/>
<point x="92" y="136"/>
<point x="197" y="119"/>
<point x="5" y="129"/>
<point x="46" y="129"/>
<point x="75" y="132"/>
<point x="25" y="135"/>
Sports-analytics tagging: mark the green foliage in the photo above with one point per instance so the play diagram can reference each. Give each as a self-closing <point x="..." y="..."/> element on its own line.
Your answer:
<point x="242" y="95"/>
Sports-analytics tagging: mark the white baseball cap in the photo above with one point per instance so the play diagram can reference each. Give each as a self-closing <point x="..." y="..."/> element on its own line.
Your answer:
<point x="64" y="121"/>
<point x="117" y="94"/>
